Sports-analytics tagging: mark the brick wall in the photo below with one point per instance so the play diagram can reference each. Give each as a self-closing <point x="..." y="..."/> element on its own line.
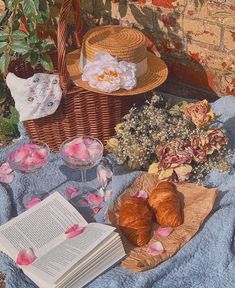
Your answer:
<point x="196" y="39"/>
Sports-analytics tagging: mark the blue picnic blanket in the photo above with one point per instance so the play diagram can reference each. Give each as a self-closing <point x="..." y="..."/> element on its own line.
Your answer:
<point x="206" y="261"/>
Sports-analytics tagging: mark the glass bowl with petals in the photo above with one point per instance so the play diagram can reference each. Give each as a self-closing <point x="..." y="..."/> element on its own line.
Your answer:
<point x="26" y="159"/>
<point x="82" y="153"/>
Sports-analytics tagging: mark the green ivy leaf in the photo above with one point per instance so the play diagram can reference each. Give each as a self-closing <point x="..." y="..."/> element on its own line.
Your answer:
<point x="3" y="35"/>
<point x="19" y="35"/>
<point x="2" y="46"/>
<point x="4" y="62"/>
<point x="29" y="8"/>
<point x="34" y="59"/>
<point x="48" y="45"/>
<point x="14" y="117"/>
<point x="20" y="47"/>
<point x="46" y="62"/>
<point x="11" y="4"/>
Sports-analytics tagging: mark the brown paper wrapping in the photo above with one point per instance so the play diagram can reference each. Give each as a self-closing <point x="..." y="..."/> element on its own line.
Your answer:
<point x="197" y="203"/>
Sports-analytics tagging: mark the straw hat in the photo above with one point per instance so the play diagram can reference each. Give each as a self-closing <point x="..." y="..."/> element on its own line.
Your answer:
<point x="126" y="44"/>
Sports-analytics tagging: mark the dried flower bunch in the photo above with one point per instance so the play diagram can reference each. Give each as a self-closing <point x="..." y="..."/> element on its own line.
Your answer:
<point x="176" y="143"/>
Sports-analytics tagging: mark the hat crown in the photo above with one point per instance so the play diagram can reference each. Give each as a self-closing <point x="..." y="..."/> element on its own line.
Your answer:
<point x="122" y="42"/>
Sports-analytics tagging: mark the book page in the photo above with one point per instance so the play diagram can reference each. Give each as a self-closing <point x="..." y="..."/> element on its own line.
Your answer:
<point x="41" y="227"/>
<point x="60" y="259"/>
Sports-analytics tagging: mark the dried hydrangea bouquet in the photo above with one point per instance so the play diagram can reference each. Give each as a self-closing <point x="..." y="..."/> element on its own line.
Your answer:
<point x="176" y="143"/>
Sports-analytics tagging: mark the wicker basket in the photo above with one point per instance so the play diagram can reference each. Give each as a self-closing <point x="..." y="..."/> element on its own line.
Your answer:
<point x="81" y="112"/>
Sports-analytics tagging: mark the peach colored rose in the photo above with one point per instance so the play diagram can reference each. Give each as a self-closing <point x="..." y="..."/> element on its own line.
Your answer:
<point x="200" y="113"/>
<point x="216" y="139"/>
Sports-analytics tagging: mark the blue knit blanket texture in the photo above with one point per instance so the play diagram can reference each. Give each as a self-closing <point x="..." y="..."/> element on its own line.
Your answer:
<point x="206" y="261"/>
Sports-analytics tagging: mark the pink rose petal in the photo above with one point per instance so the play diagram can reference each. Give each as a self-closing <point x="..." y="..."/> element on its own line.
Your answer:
<point x="155" y="249"/>
<point x="19" y="155"/>
<point x="103" y="175"/>
<point x="96" y="210"/>
<point x="95" y="199"/>
<point x="32" y="202"/>
<point x="71" y="192"/>
<point x="164" y="232"/>
<point x="6" y="175"/>
<point x="142" y="195"/>
<point x="5" y="168"/>
<point x="78" y="151"/>
<point x="108" y="194"/>
<point x="74" y="231"/>
<point x="25" y="257"/>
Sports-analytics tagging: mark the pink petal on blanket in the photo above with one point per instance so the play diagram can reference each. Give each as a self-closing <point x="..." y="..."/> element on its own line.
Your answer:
<point x="155" y="249"/>
<point x="142" y="195"/>
<point x="32" y="202"/>
<point x="163" y="232"/>
<point x="108" y="194"/>
<point x="74" y="231"/>
<point x="71" y="192"/>
<point x="6" y="178"/>
<point x="25" y="257"/>
<point x="6" y="175"/>
<point x="96" y="210"/>
<point x="95" y="199"/>
<point x="5" y="168"/>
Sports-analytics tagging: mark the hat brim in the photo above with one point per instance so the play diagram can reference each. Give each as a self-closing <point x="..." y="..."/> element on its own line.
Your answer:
<point x="154" y="77"/>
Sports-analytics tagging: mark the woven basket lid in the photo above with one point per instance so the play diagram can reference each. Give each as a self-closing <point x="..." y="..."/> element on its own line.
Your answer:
<point x="127" y="44"/>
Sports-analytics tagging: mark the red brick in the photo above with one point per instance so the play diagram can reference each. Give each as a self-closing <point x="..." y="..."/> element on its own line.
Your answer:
<point x="229" y="39"/>
<point x="202" y="31"/>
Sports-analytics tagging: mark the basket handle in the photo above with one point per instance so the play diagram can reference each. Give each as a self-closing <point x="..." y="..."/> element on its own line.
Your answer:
<point x="65" y="81"/>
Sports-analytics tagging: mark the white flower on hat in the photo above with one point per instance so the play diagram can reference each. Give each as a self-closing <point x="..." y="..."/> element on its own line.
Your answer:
<point x="106" y="74"/>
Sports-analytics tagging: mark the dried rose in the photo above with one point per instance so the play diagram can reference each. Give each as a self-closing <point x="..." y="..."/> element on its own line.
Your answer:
<point x="216" y="138"/>
<point x="177" y="174"/>
<point x="200" y="113"/>
<point x="198" y="148"/>
<point x="172" y="155"/>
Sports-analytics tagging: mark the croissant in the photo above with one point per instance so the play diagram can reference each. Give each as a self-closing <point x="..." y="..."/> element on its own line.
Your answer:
<point x="135" y="219"/>
<point x="165" y="200"/>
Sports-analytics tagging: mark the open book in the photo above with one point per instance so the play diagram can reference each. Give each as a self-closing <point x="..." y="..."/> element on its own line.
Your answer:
<point x="61" y="262"/>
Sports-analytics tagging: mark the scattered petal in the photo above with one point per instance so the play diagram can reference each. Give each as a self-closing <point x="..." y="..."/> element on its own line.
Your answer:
<point x="155" y="249"/>
<point x="71" y="192"/>
<point x="142" y="195"/>
<point x="95" y="199"/>
<point x="74" y="231"/>
<point x="164" y="232"/>
<point x="104" y="173"/>
<point x="108" y="195"/>
<point x="25" y="257"/>
<point x="32" y="202"/>
<point x="101" y="192"/>
<point x="6" y="175"/>
<point x="96" y="210"/>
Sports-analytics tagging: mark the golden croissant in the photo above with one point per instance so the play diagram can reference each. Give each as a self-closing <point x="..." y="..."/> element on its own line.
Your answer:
<point x="135" y="220"/>
<point x="166" y="202"/>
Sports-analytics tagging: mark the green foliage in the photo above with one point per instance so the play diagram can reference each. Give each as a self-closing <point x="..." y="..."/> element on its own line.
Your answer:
<point x="8" y="126"/>
<point x="21" y="33"/>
